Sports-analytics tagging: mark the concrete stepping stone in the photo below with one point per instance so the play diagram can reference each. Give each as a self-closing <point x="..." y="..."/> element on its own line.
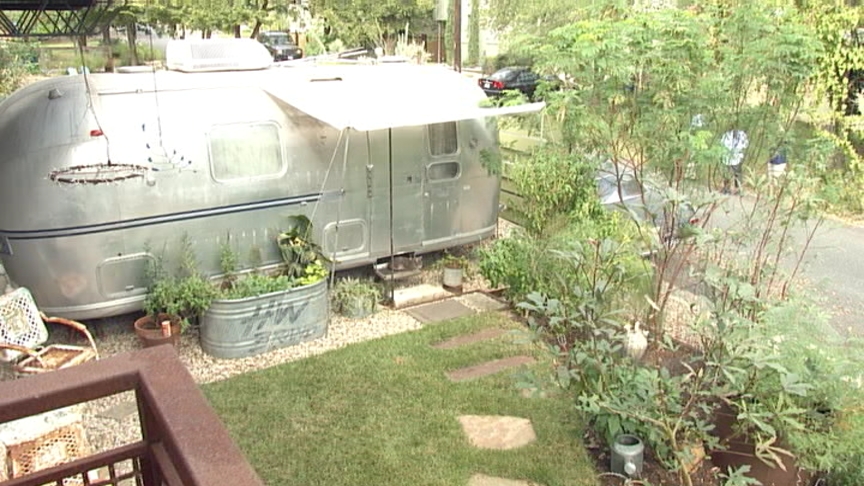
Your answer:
<point x="497" y="432"/>
<point x="483" y="302"/>
<point x="488" y="368"/>
<point x="418" y="294"/>
<point x="484" y="480"/>
<point x="458" y="341"/>
<point x="439" y="311"/>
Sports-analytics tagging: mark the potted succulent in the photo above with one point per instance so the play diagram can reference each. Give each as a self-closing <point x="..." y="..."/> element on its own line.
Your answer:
<point x="355" y="298"/>
<point x="258" y="310"/>
<point x="454" y="267"/>
<point x="173" y="300"/>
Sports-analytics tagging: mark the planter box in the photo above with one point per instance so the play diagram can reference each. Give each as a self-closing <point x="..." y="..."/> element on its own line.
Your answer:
<point x="739" y="451"/>
<point x="246" y="327"/>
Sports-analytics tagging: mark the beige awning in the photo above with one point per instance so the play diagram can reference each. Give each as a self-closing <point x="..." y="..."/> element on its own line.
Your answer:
<point x="380" y="97"/>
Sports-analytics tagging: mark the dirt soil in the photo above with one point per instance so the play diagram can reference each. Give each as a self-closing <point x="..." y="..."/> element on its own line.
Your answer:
<point x="652" y="471"/>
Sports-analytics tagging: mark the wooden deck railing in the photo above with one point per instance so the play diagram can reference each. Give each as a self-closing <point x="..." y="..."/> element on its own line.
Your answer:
<point x="183" y="441"/>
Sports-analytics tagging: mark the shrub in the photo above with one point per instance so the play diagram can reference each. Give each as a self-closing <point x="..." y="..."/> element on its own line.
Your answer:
<point x="506" y="59"/>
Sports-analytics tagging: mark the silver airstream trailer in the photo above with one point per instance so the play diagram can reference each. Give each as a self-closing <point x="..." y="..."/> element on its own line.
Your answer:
<point x="99" y="172"/>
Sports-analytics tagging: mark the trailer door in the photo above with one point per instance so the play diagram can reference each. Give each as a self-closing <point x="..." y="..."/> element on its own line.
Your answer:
<point x="441" y="190"/>
<point x="409" y="154"/>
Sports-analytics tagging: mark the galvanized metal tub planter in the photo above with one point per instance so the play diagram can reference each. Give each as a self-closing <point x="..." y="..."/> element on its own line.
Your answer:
<point x="246" y="327"/>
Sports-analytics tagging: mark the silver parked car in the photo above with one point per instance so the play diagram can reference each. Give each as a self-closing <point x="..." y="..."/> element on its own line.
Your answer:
<point x="618" y="187"/>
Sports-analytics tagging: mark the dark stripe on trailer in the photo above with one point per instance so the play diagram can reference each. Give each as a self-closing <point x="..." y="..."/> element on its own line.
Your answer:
<point x="160" y="219"/>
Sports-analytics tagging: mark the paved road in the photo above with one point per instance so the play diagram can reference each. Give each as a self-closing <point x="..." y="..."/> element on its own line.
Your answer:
<point x="833" y="267"/>
<point x="835" y="272"/>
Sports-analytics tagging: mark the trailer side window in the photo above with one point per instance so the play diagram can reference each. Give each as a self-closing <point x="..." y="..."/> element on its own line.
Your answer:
<point x="246" y="151"/>
<point x="442" y="139"/>
<point x="441" y="171"/>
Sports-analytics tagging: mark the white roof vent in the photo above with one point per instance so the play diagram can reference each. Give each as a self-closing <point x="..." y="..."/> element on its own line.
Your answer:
<point x="203" y="55"/>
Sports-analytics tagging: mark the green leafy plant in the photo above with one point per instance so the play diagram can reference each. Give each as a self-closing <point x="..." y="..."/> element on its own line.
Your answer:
<point x="187" y="294"/>
<point x="355" y="297"/>
<point x="302" y="265"/>
<point x="298" y="250"/>
<point x="451" y="260"/>
<point x="629" y="97"/>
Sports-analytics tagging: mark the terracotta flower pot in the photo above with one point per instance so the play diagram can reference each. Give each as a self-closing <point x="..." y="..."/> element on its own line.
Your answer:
<point x="151" y="333"/>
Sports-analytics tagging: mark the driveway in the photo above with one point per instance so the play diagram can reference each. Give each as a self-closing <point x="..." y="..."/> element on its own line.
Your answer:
<point x="835" y="273"/>
<point x="833" y="268"/>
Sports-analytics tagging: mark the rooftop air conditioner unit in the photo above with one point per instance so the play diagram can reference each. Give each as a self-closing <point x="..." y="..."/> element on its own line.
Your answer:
<point x="204" y="55"/>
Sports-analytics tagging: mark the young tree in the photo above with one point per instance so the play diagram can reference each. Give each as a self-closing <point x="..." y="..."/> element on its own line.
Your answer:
<point x="632" y="84"/>
<point x="364" y="22"/>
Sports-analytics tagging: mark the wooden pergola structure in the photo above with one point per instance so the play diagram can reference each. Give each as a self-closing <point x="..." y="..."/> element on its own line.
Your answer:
<point x="49" y="18"/>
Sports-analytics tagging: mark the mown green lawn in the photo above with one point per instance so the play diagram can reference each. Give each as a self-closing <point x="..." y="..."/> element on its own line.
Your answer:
<point x="383" y="413"/>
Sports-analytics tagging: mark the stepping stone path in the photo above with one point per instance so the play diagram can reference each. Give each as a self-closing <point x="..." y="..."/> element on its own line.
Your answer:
<point x="479" y="300"/>
<point x="484" y="335"/>
<point x="488" y="368"/>
<point x="439" y="311"/>
<point x="484" y="480"/>
<point x="417" y="295"/>
<point x="497" y="432"/>
<point x="485" y="431"/>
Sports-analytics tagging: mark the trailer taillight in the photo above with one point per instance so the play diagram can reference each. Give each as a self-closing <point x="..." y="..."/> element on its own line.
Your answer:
<point x="96" y="133"/>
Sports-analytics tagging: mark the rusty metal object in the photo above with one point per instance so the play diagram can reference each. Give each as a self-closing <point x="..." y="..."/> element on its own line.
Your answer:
<point x="184" y="441"/>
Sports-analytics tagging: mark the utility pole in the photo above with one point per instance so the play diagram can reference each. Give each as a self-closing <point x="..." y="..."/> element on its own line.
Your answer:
<point x="457" y="35"/>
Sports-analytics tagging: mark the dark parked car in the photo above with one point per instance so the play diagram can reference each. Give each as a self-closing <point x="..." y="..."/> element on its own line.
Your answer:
<point x="280" y="45"/>
<point x="516" y="78"/>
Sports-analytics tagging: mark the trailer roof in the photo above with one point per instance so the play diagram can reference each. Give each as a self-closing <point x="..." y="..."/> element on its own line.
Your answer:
<point x="390" y="97"/>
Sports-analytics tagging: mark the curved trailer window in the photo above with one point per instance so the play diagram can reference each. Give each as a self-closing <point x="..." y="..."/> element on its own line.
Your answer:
<point x="245" y="151"/>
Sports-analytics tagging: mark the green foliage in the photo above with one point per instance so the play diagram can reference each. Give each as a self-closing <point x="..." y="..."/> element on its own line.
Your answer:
<point x="187" y="294"/>
<point x="491" y="161"/>
<point x="368" y="22"/>
<point x="255" y="284"/>
<point x="525" y="264"/>
<point x="353" y="296"/>
<point x="302" y="265"/>
<point x="792" y="394"/>
<point x="228" y="260"/>
<point x="738" y="477"/>
<point x="506" y="59"/>
<point x="553" y="185"/>
<point x="17" y="59"/>
<point x="452" y="260"/>
<point x="314" y="272"/>
<point x="632" y="83"/>
<point x="535" y="16"/>
<point x="513" y="263"/>
<point x="298" y="250"/>
<point x="474" y="34"/>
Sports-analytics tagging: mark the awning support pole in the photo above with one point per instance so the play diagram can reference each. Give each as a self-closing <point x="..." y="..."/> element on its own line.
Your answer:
<point x="392" y="243"/>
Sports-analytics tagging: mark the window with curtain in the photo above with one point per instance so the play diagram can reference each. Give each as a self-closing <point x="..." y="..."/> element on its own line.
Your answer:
<point x="246" y="151"/>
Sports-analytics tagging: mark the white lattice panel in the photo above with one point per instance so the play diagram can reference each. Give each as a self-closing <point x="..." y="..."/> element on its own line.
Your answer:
<point x="20" y="323"/>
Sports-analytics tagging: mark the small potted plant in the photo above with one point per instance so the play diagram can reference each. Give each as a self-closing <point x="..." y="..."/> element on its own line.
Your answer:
<point x="355" y="298"/>
<point x="173" y="301"/>
<point x="454" y="267"/>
